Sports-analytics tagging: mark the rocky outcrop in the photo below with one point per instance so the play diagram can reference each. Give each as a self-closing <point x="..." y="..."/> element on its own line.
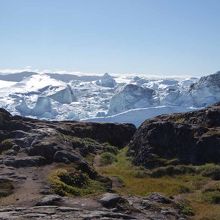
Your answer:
<point x="187" y="138"/>
<point x="30" y="141"/>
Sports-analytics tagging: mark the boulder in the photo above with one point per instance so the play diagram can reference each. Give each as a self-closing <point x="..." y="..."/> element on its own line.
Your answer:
<point x="46" y="149"/>
<point x="110" y="200"/>
<point x="49" y="200"/>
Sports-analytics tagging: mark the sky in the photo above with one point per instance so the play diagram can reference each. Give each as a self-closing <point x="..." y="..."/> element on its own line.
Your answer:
<point x="165" y="37"/>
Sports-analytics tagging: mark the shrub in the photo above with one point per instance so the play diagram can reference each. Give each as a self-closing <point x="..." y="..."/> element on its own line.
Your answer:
<point x="6" y="145"/>
<point x="141" y="174"/>
<point x="107" y="158"/>
<point x="172" y="171"/>
<point x="77" y="179"/>
<point x="185" y="208"/>
<point x="210" y="170"/>
<point x="212" y="197"/>
<point x="64" y="182"/>
<point x="111" y="149"/>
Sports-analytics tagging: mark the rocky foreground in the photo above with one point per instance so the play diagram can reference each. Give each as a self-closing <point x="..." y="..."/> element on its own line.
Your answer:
<point x="109" y="206"/>
<point x="50" y="170"/>
<point x="45" y="168"/>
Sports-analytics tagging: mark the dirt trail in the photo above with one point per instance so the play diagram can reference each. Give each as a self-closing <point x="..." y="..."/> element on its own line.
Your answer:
<point x="28" y="183"/>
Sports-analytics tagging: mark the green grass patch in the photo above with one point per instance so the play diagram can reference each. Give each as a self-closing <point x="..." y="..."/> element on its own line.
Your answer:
<point x="137" y="180"/>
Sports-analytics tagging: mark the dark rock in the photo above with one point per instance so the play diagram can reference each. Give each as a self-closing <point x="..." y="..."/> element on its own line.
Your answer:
<point x="189" y="138"/>
<point x="46" y="149"/>
<point x="49" y="200"/>
<point x="156" y="197"/>
<point x="110" y="200"/>
<point x="115" y="134"/>
<point x="25" y="161"/>
<point x="65" y="157"/>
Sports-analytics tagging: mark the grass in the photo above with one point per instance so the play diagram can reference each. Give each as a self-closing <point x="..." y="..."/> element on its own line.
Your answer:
<point x="67" y="181"/>
<point x="137" y="181"/>
<point x="188" y="182"/>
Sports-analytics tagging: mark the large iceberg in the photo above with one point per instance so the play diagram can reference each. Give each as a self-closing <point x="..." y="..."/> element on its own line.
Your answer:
<point x="42" y="106"/>
<point x="106" y="81"/>
<point x="130" y="97"/>
<point x="206" y="91"/>
<point x="64" y="96"/>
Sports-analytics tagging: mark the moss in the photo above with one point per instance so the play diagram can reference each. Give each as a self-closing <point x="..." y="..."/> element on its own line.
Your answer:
<point x="6" y="187"/>
<point x="107" y="158"/>
<point x="6" y="145"/>
<point x="72" y="182"/>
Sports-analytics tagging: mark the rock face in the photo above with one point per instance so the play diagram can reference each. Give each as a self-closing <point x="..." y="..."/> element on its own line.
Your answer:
<point x="130" y="97"/>
<point x="187" y="138"/>
<point x="29" y="142"/>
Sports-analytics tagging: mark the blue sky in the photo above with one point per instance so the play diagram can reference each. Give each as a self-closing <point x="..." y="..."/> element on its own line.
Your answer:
<point x="169" y="37"/>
